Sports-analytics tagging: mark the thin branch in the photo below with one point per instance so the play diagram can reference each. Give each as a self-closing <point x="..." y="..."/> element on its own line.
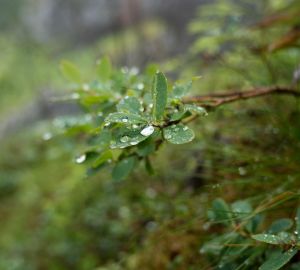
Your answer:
<point x="215" y="100"/>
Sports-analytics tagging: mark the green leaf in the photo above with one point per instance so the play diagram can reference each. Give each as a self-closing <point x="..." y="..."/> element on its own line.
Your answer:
<point x="181" y="90"/>
<point x="281" y="238"/>
<point x="241" y="208"/>
<point x="123" y="168"/>
<point x="221" y="211"/>
<point x="104" y="69"/>
<point x="102" y="140"/>
<point x="281" y="225"/>
<point x="70" y="71"/>
<point x="267" y="238"/>
<point x="195" y="109"/>
<point x="149" y="166"/>
<point x="297" y="218"/>
<point x="125" y="118"/>
<point x="178" y="134"/>
<point x="127" y="138"/>
<point x="104" y="157"/>
<point x="130" y="105"/>
<point x="277" y="261"/>
<point x="146" y="147"/>
<point x="159" y="95"/>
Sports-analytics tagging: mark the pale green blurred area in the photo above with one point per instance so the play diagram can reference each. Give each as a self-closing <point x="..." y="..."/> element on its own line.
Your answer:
<point x="51" y="215"/>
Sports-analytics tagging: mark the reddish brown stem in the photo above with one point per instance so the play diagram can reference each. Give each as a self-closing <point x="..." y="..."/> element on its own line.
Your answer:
<point x="215" y="100"/>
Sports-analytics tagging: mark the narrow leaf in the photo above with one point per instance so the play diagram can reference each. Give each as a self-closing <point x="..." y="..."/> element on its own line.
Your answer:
<point x="159" y="95"/>
<point x="277" y="261"/>
<point x="267" y="238"/>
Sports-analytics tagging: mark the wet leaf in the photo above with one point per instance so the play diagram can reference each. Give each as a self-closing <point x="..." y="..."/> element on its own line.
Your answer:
<point x="123" y="168"/>
<point x="159" y="95"/>
<point x="130" y="105"/>
<point x="181" y="90"/>
<point x="178" y="134"/>
<point x="125" y="118"/>
<point x="277" y="261"/>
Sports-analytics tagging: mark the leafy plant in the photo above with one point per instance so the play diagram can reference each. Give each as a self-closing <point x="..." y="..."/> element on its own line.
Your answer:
<point x="132" y="118"/>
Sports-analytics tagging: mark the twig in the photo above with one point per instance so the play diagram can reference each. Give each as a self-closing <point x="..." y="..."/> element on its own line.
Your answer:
<point x="215" y="100"/>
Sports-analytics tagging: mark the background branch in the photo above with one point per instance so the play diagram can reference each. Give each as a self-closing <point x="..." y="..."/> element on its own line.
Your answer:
<point x="215" y="100"/>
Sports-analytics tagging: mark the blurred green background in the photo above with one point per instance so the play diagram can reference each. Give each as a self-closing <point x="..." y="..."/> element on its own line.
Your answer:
<point x="54" y="217"/>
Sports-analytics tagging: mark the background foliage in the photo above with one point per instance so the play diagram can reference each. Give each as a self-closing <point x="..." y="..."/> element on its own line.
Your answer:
<point x="227" y="200"/>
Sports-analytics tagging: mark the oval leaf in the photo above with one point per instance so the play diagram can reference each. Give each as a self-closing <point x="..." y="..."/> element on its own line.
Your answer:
<point x="181" y="90"/>
<point x="104" y="68"/>
<point x="130" y="105"/>
<point x="178" y="134"/>
<point x="127" y="138"/>
<point x="125" y="118"/>
<point x="123" y="168"/>
<point x="70" y="71"/>
<point x="195" y="109"/>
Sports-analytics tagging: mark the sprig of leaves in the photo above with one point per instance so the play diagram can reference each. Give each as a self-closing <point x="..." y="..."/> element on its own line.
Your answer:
<point x="136" y="112"/>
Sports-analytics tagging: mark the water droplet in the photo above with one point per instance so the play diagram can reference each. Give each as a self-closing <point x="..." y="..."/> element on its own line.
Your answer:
<point x="113" y="145"/>
<point x="81" y="159"/>
<point x="202" y="251"/>
<point x="151" y="193"/>
<point x="85" y="87"/>
<point x="135" y="126"/>
<point x="125" y="119"/>
<point x="151" y="105"/>
<point x="107" y="124"/>
<point x="296" y="232"/>
<point x="134" y="70"/>
<point x="168" y="136"/>
<point x="141" y="109"/>
<point x="206" y="226"/>
<point x="126" y="97"/>
<point x="47" y="136"/>
<point x="134" y="143"/>
<point x="140" y="86"/>
<point x="75" y="96"/>
<point x="147" y="131"/>
<point x="124" y="139"/>
<point x="185" y="128"/>
<point x="242" y="171"/>
<point x="124" y="70"/>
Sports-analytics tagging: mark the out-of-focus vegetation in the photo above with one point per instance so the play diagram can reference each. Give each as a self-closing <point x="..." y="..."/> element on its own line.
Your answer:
<point x="228" y="200"/>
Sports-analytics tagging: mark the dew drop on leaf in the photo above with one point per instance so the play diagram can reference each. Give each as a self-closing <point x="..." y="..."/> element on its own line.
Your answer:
<point x="125" y="120"/>
<point x="147" y="131"/>
<point x="124" y="139"/>
<point x="81" y="159"/>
